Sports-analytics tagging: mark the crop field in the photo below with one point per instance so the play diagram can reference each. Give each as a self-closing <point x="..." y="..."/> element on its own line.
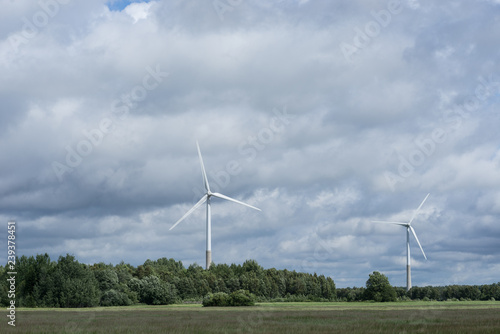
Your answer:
<point x="401" y="317"/>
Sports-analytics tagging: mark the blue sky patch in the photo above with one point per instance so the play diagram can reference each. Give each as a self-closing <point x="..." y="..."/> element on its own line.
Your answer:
<point x="119" y="5"/>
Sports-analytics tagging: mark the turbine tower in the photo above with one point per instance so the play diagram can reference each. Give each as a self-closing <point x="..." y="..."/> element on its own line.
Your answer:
<point x="408" y="229"/>
<point x="206" y="198"/>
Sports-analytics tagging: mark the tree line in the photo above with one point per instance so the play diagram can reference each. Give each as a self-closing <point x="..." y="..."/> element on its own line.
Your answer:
<point x="41" y="282"/>
<point x="379" y="289"/>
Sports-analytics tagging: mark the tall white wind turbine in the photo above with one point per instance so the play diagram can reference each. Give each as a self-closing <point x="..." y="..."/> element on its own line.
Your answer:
<point x="206" y="198"/>
<point x="408" y="229"/>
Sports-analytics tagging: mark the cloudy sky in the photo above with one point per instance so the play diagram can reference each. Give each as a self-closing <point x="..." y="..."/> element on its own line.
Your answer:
<point x="324" y="114"/>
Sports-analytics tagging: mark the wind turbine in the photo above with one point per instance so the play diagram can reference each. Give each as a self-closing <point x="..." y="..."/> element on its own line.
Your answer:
<point x="206" y="198"/>
<point x="408" y="229"/>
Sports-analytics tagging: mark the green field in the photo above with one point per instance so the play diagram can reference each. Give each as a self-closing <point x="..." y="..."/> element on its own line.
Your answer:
<point x="401" y="317"/>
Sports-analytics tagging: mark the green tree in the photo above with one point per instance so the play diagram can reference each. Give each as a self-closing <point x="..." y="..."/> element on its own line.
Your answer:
<point x="115" y="298"/>
<point x="124" y="272"/>
<point x="252" y="266"/>
<point x="107" y="278"/>
<point x="451" y="292"/>
<point x="233" y="284"/>
<point x="153" y="291"/>
<point x="74" y="284"/>
<point x="327" y="286"/>
<point x="379" y="289"/>
<point x="4" y="300"/>
<point x="32" y="272"/>
<point x="186" y="288"/>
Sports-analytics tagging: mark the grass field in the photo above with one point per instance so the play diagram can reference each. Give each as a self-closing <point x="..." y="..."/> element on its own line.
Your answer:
<point x="403" y="317"/>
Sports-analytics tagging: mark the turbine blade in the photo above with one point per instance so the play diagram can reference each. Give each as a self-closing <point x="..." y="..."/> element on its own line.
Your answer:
<point x="234" y="200"/>
<point x="205" y="179"/>
<point x="384" y="222"/>
<point x="416" y="211"/>
<point x="416" y="238"/>
<point x="200" y="202"/>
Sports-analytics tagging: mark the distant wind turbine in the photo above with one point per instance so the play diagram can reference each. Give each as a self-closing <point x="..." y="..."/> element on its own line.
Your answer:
<point x="206" y="198"/>
<point x="408" y="229"/>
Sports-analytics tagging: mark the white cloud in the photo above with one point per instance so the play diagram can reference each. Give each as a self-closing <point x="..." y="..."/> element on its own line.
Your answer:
<point x="138" y="11"/>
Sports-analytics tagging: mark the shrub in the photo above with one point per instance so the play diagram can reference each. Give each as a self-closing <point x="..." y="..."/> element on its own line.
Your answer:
<point x="242" y="298"/>
<point x="237" y="298"/>
<point x="216" y="299"/>
<point x="404" y="299"/>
